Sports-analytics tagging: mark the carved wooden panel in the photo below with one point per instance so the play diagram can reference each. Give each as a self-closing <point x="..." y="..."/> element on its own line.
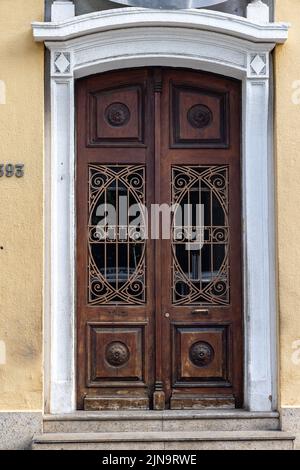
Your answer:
<point x="116" y="117"/>
<point x="199" y="118"/>
<point x="116" y="353"/>
<point x="201" y="355"/>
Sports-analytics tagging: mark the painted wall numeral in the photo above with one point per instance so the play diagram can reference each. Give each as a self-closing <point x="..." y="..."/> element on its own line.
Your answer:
<point x="9" y="170"/>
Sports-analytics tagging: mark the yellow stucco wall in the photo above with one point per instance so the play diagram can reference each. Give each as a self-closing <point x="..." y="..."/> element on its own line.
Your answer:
<point x="21" y="204"/>
<point x="287" y="67"/>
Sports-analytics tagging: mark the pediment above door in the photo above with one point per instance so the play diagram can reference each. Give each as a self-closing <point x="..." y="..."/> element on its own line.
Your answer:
<point x="129" y="37"/>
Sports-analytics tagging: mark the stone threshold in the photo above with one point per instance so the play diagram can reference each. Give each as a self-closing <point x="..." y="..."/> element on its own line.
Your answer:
<point x="160" y="415"/>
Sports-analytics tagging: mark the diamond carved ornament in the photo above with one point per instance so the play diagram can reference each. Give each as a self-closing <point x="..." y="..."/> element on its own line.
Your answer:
<point x="62" y="62"/>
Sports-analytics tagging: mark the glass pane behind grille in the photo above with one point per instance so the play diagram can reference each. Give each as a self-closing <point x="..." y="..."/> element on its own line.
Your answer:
<point x="200" y="264"/>
<point x="116" y="268"/>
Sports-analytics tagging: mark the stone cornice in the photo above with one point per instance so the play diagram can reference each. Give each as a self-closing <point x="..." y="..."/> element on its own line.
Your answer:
<point x="125" y="18"/>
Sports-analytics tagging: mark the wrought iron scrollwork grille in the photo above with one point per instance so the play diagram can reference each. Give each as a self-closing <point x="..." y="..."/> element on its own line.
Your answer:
<point x="116" y="248"/>
<point x="200" y="266"/>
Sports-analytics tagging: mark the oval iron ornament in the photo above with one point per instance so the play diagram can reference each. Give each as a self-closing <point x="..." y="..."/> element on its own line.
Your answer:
<point x="170" y="4"/>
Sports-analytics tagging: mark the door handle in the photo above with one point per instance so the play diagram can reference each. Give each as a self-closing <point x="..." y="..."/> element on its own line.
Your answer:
<point x="200" y="311"/>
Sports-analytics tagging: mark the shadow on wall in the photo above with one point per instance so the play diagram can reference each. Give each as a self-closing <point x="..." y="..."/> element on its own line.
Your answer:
<point x="236" y="7"/>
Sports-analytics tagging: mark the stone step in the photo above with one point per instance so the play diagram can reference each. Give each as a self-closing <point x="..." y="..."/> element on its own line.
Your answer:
<point x="205" y="440"/>
<point x="153" y="421"/>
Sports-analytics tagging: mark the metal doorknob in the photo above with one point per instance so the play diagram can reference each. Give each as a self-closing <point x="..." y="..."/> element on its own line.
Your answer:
<point x="167" y="315"/>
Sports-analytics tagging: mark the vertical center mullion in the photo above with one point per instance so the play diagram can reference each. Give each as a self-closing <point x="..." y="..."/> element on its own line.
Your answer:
<point x="211" y="236"/>
<point x="117" y="234"/>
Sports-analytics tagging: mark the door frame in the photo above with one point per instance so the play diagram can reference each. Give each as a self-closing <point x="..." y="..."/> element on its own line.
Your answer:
<point x="200" y="40"/>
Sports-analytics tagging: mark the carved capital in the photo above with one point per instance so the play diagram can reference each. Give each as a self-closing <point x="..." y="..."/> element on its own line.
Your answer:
<point x="258" y="65"/>
<point x="62" y="64"/>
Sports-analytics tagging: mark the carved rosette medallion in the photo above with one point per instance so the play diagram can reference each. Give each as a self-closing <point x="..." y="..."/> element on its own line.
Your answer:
<point x="201" y="354"/>
<point x="199" y="116"/>
<point x="117" y="354"/>
<point x="117" y="114"/>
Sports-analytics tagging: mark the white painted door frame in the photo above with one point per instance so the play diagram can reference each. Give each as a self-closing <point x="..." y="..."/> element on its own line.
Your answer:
<point x="202" y="40"/>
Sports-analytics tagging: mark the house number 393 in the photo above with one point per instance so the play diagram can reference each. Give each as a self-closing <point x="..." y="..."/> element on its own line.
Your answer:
<point x="10" y="170"/>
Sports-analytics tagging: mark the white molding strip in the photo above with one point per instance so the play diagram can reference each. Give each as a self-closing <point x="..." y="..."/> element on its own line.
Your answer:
<point x="210" y="41"/>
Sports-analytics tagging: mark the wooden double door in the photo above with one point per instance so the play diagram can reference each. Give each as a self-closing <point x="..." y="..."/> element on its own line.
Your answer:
<point x="159" y="278"/>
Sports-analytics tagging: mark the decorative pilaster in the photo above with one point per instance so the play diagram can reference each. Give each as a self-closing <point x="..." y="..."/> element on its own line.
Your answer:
<point x="259" y="233"/>
<point x="258" y="12"/>
<point x="63" y="233"/>
<point x="62" y="10"/>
